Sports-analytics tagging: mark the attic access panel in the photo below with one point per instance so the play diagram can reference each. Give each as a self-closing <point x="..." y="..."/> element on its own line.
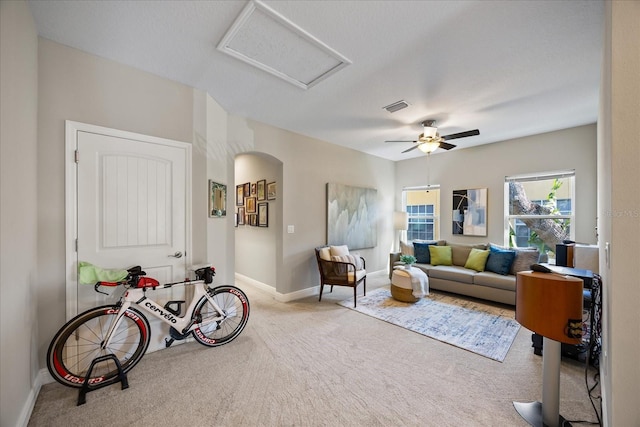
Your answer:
<point x="267" y="40"/>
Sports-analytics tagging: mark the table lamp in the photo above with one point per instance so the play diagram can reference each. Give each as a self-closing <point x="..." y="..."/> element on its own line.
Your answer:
<point x="550" y="305"/>
<point x="400" y="224"/>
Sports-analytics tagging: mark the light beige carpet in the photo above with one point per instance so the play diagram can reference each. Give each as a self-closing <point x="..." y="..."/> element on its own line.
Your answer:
<point x="310" y="363"/>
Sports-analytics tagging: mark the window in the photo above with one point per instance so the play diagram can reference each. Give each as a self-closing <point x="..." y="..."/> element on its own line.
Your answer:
<point x="422" y="205"/>
<point x="539" y="210"/>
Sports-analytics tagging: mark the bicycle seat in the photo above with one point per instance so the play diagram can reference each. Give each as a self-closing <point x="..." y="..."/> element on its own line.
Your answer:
<point x="136" y="271"/>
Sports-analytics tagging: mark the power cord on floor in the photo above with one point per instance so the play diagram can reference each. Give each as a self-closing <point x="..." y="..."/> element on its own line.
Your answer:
<point x="593" y="350"/>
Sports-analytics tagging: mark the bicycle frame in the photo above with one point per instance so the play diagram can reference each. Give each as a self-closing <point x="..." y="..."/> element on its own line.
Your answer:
<point x="184" y="324"/>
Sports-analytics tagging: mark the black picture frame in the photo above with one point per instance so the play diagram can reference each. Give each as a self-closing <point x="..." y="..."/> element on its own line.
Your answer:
<point x="263" y="214"/>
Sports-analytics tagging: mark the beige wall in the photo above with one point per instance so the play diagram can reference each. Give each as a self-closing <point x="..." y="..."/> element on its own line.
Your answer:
<point x="77" y="86"/>
<point x="307" y="166"/>
<point x="619" y="213"/>
<point x="256" y="247"/>
<point x="19" y="267"/>
<point x="486" y="167"/>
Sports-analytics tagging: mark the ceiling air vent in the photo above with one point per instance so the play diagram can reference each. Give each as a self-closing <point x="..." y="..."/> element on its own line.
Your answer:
<point x="396" y="106"/>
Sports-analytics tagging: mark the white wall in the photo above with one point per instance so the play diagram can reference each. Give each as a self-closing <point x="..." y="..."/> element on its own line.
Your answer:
<point x="486" y="167"/>
<point x="19" y="267"/>
<point x="619" y="213"/>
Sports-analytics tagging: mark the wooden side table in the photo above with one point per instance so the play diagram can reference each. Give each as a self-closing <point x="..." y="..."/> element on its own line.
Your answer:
<point x="548" y="304"/>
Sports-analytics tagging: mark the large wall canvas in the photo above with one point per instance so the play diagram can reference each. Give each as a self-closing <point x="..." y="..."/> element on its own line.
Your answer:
<point x="352" y="214"/>
<point x="470" y="212"/>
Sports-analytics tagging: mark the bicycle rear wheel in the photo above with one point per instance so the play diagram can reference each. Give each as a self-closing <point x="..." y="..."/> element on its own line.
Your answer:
<point x="234" y="303"/>
<point x="79" y="341"/>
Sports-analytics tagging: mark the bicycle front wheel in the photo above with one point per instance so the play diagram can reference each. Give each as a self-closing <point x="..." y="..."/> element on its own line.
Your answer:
<point x="235" y="305"/>
<point x="79" y="342"/>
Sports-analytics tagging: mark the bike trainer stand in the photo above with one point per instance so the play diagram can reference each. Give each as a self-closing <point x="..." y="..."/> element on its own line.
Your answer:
<point x="86" y="387"/>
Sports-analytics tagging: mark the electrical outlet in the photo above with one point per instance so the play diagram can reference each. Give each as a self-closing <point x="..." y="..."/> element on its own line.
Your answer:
<point x="290" y="229"/>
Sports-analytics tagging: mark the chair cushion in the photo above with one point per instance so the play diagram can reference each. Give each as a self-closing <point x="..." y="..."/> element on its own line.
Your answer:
<point x="477" y="259"/>
<point x="339" y="250"/>
<point x="342" y="268"/>
<point x="440" y="255"/>
<point x="325" y="253"/>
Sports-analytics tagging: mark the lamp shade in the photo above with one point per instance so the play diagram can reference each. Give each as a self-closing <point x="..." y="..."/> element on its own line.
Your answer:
<point x="400" y="220"/>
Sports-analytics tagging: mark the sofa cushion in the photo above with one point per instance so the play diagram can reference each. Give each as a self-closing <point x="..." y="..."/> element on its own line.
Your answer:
<point x="406" y="248"/>
<point x="452" y="272"/>
<point x="500" y="260"/>
<point x="460" y="252"/>
<point x="477" y="259"/>
<point x="421" y="251"/>
<point x="494" y="280"/>
<point x="440" y="255"/>
<point x="524" y="258"/>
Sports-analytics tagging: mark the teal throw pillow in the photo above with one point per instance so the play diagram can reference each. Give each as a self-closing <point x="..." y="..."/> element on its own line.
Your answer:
<point x="477" y="259"/>
<point x="500" y="260"/>
<point x="440" y="255"/>
<point x="421" y="252"/>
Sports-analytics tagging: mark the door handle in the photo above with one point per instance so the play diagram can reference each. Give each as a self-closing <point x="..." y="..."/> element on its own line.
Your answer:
<point x="178" y="254"/>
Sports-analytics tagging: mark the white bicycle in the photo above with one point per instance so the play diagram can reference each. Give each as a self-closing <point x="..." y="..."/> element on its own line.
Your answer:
<point x="100" y="344"/>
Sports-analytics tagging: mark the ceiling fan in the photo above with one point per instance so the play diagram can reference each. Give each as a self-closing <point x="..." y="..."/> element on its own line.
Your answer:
<point x="430" y="139"/>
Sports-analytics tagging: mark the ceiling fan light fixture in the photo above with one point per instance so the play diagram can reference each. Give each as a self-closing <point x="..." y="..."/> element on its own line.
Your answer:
<point x="428" y="147"/>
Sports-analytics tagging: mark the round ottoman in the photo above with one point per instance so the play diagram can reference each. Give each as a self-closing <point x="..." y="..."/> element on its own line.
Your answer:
<point x="401" y="286"/>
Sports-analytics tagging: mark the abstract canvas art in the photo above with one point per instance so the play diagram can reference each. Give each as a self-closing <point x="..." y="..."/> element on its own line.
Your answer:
<point x="470" y="212"/>
<point x="352" y="214"/>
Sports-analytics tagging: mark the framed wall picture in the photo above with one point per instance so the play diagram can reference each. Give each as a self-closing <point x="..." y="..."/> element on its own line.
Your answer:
<point x="217" y="199"/>
<point x="240" y="195"/>
<point x="254" y="189"/>
<point x="262" y="190"/>
<point x="253" y="219"/>
<point x="250" y="203"/>
<point x="470" y="212"/>
<point x="271" y="191"/>
<point x="247" y="189"/>
<point x="241" y="216"/>
<point x="263" y="214"/>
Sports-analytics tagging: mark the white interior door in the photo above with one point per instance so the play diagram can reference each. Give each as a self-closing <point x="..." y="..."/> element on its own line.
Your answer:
<point x="132" y="198"/>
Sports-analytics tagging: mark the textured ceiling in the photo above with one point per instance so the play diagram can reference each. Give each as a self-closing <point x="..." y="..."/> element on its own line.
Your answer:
<point x="510" y="69"/>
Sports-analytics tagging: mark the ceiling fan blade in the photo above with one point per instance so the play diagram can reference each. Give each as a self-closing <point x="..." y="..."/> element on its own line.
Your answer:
<point x="446" y="146"/>
<point x="461" y="134"/>
<point x="401" y="141"/>
<point x="410" y="149"/>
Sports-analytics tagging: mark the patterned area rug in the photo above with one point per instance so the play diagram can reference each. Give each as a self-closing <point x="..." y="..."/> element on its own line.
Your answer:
<point x="480" y="328"/>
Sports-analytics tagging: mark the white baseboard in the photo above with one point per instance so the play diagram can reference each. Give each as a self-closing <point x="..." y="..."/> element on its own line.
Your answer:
<point x="42" y="378"/>
<point x="291" y="296"/>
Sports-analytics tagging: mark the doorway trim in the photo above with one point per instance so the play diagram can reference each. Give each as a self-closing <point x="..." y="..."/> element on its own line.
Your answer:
<point x="71" y="197"/>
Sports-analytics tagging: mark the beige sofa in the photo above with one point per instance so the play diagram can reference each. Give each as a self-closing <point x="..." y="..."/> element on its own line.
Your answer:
<point x="457" y="279"/>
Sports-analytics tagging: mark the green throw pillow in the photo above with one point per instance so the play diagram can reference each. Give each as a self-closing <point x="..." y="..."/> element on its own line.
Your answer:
<point x="440" y="255"/>
<point x="477" y="259"/>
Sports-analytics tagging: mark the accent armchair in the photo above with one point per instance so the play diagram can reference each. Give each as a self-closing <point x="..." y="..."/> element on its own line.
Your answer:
<point x="339" y="268"/>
